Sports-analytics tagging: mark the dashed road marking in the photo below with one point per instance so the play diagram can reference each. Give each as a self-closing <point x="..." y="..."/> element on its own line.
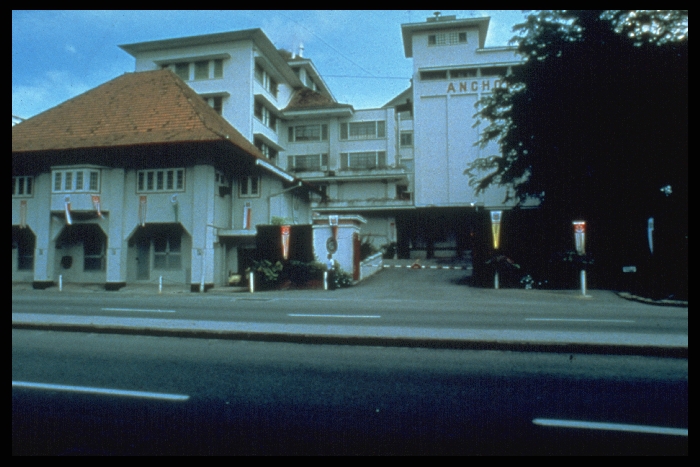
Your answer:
<point x="658" y="430"/>
<point x="308" y="315"/>
<point x="101" y="391"/>
<point x="139" y="309"/>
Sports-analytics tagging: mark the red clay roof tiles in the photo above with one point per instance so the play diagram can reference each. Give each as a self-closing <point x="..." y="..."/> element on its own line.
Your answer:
<point x="135" y="108"/>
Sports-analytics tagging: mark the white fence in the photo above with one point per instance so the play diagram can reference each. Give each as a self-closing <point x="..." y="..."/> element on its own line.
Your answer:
<point x="371" y="265"/>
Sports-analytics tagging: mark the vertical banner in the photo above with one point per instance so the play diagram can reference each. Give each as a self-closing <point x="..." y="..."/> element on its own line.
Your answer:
<point x="247" y="215"/>
<point x="580" y="236"/>
<point x="23" y="214"/>
<point x="496" y="228"/>
<point x="285" y="241"/>
<point x="650" y="234"/>
<point x="333" y="221"/>
<point x="69" y="219"/>
<point x="96" y="205"/>
<point x="176" y="208"/>
<point x="142" y="210"/>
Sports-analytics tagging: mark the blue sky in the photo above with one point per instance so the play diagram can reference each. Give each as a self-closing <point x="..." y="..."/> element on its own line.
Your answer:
<point x="57" y="55"/>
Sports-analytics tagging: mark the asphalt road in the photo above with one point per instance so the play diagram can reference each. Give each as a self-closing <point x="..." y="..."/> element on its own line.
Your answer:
<point x="203" y="396"/>
<point x="427" y="307"/>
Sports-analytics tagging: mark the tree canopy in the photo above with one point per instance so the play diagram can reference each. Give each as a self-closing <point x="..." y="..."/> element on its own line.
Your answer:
<point x="595" y="121"/>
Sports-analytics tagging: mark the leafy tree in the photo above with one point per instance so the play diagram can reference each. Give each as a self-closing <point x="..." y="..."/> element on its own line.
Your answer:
<point x="595" y="124"/>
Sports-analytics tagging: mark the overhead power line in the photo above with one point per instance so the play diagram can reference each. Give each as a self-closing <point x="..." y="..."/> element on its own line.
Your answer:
<point x="367" y="77"/>
<point x="333" y="48"/>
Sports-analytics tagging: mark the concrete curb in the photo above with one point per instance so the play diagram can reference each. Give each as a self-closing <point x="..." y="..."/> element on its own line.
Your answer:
<point x="520" y="341"/>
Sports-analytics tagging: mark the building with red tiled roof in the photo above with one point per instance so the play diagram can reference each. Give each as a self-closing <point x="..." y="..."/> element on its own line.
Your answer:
<point x="139" y="179"/>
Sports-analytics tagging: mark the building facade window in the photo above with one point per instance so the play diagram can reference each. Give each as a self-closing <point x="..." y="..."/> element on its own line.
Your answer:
<point x="266" y="150"/>
<point x="263" y="114"/>
<point x="167" y="251"/>
<point x="304" y="133"/>
<point x="183" y="71"/>
<point x="203" y="69"/>
<point x="249" y="187"/>
<point x="160" y="180"/>
<point x="265" y="80"/>
<point x="363" y="160"/>
<point x="26" y="242"/>
<point x="216" y="103"/>
<point x="94" y="251"/>
<point x="463" y="73"/>
<point x="218" y="68"/>
<point x="22" y="187"/>
<point x="494" y="71"/>
<point x="363" y="130"/>
<point x="402" y="193"/>
<point x="76" y="180"/>
<point x="406" y="139"/>
<point x="433" y="75"/>
<point x="447" y="38"/>
<point x="308" y="162"/>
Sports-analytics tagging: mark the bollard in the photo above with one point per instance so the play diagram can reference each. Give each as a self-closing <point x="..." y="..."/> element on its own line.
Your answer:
<point x="201" y="284"/>
<point x="583" y="282"/>
<point x="60" y="283"/>
<point x="495" y="280"/>
<point x="251" y="282"/>
<point x="325" y="280"/>
<point x="160" y="284"/>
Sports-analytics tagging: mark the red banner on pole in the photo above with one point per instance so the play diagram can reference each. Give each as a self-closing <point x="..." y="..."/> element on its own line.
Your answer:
<point x="285" y="241"/>
<point x="580" y="236"/>
<point x="69" y="219"/>
<point x="142" y="210"/>
<point x="96" y="205"/>
<point x="23" y="214"/>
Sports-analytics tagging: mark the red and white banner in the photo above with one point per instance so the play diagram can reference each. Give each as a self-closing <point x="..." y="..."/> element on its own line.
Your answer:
<point x="333" y="221"/>
<point x="96" y="205"/>
<point x="142" y="210"/>
<point x="23" y="214"/>
<point x="69" y="219"/>
<point x="285" y="241"/>
<point x="247" y="216"/>
<point x="580" y="236"/>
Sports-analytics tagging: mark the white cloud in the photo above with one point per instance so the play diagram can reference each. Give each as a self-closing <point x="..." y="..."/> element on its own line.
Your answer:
<point x="48" y="91"/>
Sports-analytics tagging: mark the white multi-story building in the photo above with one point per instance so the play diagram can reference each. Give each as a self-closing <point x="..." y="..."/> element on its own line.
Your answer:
<point x="400" y="166"/>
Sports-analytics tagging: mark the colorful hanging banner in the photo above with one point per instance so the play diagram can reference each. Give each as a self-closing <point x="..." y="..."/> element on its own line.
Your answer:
<point x="96" y="205"/>
<point x="142" y="210"/>
<point x="496" y="228"/>
<point x="247" y="216"/>
<point x="580" y="236"/>
<point x="333" y="221"/>
<point x="176" y="207"/>
<point x="285" y="241"/>
<point x="66" y="202"/>
<point x="23" y="214"/>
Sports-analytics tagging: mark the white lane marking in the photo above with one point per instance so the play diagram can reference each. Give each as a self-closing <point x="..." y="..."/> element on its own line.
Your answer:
<point x="104" y="391"/>
<point x="659" y="430"/>
<point x="303" y="315"/>
<point x="138" y="309"/>
<point x="583" y="320"/>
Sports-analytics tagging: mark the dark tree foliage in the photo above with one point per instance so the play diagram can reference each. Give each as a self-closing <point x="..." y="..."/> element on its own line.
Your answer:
<point x="595" y="125"/>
